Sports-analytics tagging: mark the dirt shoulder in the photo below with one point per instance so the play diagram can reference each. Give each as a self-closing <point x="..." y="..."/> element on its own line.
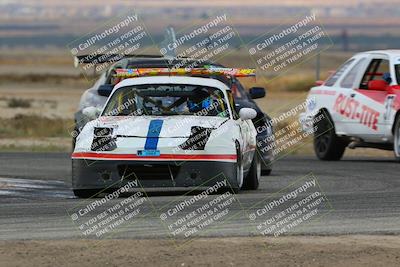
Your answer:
<point x="243" y="251"/>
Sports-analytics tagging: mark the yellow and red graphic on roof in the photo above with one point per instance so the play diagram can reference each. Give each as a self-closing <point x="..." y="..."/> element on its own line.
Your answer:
<point x="207" y="70"/>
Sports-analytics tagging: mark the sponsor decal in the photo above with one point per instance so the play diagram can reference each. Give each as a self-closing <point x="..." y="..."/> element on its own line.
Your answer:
<point x="350" y="108"/>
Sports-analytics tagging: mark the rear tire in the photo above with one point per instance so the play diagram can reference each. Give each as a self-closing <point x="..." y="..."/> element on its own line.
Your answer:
<point x="327" y="145"/>
<point x="396" y="143"/>
<point x="252" y="180"/>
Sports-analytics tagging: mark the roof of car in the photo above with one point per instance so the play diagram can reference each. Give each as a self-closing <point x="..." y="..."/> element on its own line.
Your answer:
<point x="172" y="80"/>
<point x="388" y="52"/>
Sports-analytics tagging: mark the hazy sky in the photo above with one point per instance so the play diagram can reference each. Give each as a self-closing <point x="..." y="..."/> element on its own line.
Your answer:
<point x="199" y="3"/>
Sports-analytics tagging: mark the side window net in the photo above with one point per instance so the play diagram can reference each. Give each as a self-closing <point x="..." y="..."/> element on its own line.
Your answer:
<point x="375" y="71"/>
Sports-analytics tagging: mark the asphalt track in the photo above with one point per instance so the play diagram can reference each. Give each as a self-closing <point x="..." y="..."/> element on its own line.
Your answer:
<point x="363" y="196"/>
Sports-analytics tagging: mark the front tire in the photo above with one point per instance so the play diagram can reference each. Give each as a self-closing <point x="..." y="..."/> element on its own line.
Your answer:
<point x="252" y="180"/>
<point x="327" y="145"/>
<point x="396" y="143"/>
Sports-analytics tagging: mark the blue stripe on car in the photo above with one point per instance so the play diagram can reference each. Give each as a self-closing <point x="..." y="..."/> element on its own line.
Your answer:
<point x="153" y="134"/>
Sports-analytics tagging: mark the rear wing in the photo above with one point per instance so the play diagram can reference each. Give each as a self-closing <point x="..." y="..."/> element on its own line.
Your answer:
<point x="206" y="70"/>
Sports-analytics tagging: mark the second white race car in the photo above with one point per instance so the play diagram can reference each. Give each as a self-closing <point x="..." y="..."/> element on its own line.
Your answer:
<point x="357" y="106"/>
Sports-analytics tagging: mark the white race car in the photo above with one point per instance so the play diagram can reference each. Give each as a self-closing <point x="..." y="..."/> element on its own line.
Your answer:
<point x="167" y="131"/>
<point x="357" y="106"/>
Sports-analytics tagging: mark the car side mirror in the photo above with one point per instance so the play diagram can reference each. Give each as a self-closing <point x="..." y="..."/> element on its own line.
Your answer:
<point x="378" y="85"/>
<point x="247" y="113"/>
<point x="91" y="112"/>
<point x="257" y="92"/>
<point x="105" y="89"/>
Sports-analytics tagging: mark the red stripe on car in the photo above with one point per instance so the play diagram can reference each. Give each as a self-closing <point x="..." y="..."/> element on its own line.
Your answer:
<point x="109" y="156"/>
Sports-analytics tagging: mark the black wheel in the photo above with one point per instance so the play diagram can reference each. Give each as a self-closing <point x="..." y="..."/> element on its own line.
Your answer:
<point x="327" y="145"/>
<point x="85" y="193"/>
<point x="396" y="143"/>
<point x="252" y="180"/>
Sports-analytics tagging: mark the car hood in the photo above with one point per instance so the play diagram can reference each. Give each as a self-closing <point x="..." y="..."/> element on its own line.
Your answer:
<point x="167" y="126"/>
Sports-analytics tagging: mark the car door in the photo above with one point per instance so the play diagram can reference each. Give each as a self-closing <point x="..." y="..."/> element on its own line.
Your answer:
<point x="368" y="116"/>
<point x="335" y="96"/>
<point x="345" y="106"/>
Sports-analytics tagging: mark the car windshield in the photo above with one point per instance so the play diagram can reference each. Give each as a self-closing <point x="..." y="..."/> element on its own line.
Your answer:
<point x="167" y="99"/>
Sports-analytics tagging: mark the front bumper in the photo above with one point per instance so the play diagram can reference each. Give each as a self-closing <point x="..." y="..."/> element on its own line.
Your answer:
<point x="102" y="174"/>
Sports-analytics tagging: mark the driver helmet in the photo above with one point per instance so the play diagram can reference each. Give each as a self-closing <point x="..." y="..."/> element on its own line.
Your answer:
<point x="386" y="77"/>
<point x="200" y="100"/>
